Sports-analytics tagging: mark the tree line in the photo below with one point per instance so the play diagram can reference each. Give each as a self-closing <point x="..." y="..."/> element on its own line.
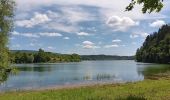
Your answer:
<point x="106" y="57"/>
<point x="156" y="48"/>
<point x="42" y="57"/>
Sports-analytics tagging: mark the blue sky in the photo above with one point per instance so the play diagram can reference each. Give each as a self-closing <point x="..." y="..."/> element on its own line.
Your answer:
<point x="83" y="27"/>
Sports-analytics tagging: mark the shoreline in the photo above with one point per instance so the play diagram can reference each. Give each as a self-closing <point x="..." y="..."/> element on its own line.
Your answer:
<point x="66" y="86"/>
<point x="142" y="90"/>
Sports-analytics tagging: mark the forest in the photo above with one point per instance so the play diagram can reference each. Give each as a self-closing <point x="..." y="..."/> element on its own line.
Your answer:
<point x="41" y="57"/>
<point x="106" y="57"/>
<point x="156" y="48"/>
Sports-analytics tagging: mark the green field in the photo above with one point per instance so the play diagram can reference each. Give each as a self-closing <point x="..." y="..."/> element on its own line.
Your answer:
<point x="144" y="90"/>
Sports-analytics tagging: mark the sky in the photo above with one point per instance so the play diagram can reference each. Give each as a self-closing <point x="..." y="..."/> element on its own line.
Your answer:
<point x="83" y="26"/>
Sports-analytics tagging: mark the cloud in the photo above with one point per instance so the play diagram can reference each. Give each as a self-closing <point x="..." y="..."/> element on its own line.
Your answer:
<point x="15" y="33"/>
<point x="36" y="20"/>
<point x="66" y="38"/>
<point x="117" y="40"/>
<point x="139" y="34"/>
<point x="157" y="23"/>
<point x="120" y="23"/>
<point x="30" y="35"/>
<point x="51" y="34"/>
<point x="67" y="18"/>
<point x="50" y="48"/>
<point x="37" y="35"/>
<point x="111" y="46"/>
<point x="61" y="27"/>
<point x="75" y="15"/>
<point x="83" y="34"/>
<point x="89" y="45"/>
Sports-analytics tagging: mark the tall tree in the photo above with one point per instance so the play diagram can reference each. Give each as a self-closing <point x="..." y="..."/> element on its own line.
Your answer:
<point x="148" y="5"/>
<point x="156" y="48"/>
<point x="6" y="23"/>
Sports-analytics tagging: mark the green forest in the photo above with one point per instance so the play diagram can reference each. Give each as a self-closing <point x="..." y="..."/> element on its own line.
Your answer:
<point x="156" y="48"/>
<point x="41" y="57"/>
<point x="106" y="57"/>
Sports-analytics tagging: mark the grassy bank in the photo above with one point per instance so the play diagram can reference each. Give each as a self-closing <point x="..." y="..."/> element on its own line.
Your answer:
<point x="145" y="90"/>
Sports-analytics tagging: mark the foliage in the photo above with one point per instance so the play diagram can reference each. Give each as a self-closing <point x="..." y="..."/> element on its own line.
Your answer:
<point x="6" y="23"/>
<point x="106" y="57"/>
<point x="148" y="5"/>
<point x="156" y="48"/>
<point x="42" y="57"/>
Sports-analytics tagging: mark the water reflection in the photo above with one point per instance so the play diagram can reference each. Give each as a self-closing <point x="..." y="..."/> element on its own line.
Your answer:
<point x="35" y="69"/>
<point x="44" y="75"/>
<point x="3" y="76"/>
<point x="152" y="69"/>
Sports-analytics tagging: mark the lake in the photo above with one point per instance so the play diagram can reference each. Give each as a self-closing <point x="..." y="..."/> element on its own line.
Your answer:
<point x="35" y="76"/>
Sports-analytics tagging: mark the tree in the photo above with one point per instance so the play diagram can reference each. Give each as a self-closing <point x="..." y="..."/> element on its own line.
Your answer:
<point x="6" y="23"/>
<point x="148" y="5"/>
<point x="156" y="48"/>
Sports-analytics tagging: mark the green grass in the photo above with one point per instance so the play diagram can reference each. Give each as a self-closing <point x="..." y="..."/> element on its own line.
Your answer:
<point x="144" y="90"/>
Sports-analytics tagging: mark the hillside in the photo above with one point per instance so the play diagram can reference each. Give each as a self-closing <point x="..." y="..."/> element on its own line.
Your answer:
<point x="156" y="48"/>
<point x="106" y="57"/>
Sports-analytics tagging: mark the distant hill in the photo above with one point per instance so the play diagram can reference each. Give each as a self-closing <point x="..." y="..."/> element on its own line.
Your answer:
<point x="86" y="57"/>
<point x="156" y="48"/>
<point x="24" y="51"/>
<point x="29" y="51"/>
<point x="106" y="57"/>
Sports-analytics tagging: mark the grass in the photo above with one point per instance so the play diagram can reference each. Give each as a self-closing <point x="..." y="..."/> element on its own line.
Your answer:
<point x="144" y="90"/>
<point x="155" y="87"/>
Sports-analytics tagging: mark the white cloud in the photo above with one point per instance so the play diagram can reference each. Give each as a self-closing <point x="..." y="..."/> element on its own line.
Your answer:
<point x="157" y="23"/>
<point x="115" y="7"/>
<point x="61" y="27"/>
<point x="51" y="34"/>
<point x="36" y="20"/>
<point x="37" y="35"/>
<point x="50" y="48"/>
<point x="76" y="15"/>
<point x="30" y="35"/>
<point x="89" y="45"/>
<point x="139" y="34"/>
<point x="15" y="33"/>
<point x="111" y="46"/>
<point x="66" y="38"/>
<point x="67" y="19"/>
<point x="120" y="23"/>
<point x="117" y="40"/>
<point x="133" y="36"/>
<point x="83" y="34"/>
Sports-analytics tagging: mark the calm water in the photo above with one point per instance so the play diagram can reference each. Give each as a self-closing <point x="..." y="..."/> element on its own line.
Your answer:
<point x="32" y="76"/>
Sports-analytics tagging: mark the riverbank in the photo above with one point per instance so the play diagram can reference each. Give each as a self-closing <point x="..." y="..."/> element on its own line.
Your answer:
<point x="148" y="89"/>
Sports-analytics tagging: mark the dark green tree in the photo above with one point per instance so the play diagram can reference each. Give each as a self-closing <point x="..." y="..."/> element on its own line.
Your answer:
<point x="156" y="48"/>
<point x="147" y="5"/>
<point x="6" y="23"/>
